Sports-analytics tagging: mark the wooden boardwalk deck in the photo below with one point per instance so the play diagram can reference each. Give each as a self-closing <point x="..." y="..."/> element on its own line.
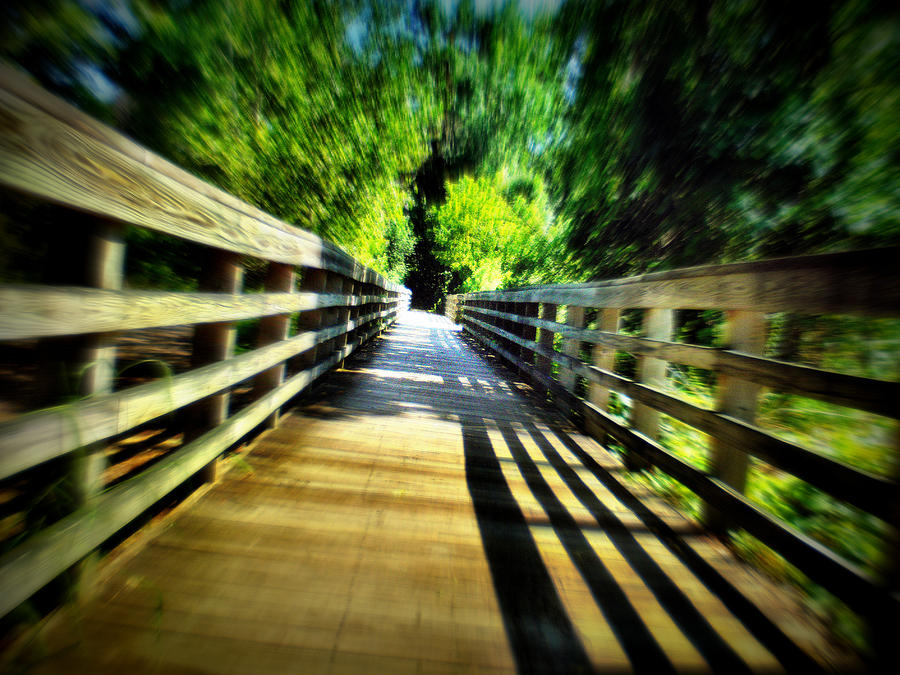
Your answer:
<point x="423" y="514"/>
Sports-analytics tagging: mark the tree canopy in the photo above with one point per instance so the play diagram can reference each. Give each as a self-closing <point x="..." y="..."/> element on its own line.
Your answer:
<point x="462" y="145"/>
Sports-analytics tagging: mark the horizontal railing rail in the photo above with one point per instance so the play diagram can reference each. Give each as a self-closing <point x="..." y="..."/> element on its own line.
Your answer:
<point x="318" y="305"/>
<point x="522" y="325"/>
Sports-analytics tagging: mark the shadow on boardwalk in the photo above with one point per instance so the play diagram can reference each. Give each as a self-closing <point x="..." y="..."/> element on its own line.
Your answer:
<point x="420" y="511"/>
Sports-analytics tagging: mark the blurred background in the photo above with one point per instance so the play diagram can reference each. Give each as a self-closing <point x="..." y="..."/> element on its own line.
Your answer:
<point x="458" y="146"/>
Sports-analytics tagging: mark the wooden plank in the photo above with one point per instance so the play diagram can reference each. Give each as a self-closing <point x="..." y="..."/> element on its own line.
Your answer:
<point x="40" y="558"/>
<point x="334" y="283"/>
<point x="570" y="347"/>
<point x="51" y="150"/>
<point x="372" y="538"/>
<point x="214" y="342"/>
<point x="871" y="493"/>
<point x="314" y="281"/>
<point x="344" y="315"/>
<point x="858" y="282"/>
<point x="42" y="435"/>
<point x="745" y="332"/>
<point x="44" y="311"/>
<point x="548" y="312"/>
<point x="657" y="325"/>
<point x="279" y="279"/>
<point x="879" y="396"/>
<point x="603" y="358"/>
<point x="529" y="333"/>
<point x="822" y="565"/>
<point x="105" y="266"/>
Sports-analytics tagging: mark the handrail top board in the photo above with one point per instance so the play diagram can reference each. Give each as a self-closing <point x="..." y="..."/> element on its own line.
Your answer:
<point x="34" y="311"/>
<point x="853" y="282"/>
<point x="875" y="395"/>
<point x="51" y="149"/>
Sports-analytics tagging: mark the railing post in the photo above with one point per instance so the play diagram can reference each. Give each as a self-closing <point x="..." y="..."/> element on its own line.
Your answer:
<point x="548" y="313"/>
<point x="745" y="331"/>
<point x="279" y="279"/>
<point x="214" y="342"/>
<point x="343" y="316"/>
<point x="529" y="309"/>
<point x="517" y="329"/>
<point x="507" y="325"/>
<point x="314" y="281"/>
<point x="352" y="311"/>
<point x="657" y="324"/>
<point x="450" y="306"/>
<point x="575" y="319"/>
<point x="604" y="358"/>
<point x="334" y="285"/>
<point x="95" y="359"/>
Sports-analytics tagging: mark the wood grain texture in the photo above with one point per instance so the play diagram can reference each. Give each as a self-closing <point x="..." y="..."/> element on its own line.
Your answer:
<point x="737" y="398"/>
<point x="878" y="396"/>
<point x="44" y="311"/>
<point x="572" y="347"/>
<point x="32" y="564"/>
<point x="44" y="434"/>
<point x="603" y="357"/>
<point x="859" y="282"/>
<point x="656" y="324"/>
<point x="49" y="149"/>
<point x="545" y="358"/>
<point x="424" y="516"/>
<point x="871" y="493"/>
<point x="856" y="588"/>
<point x="279" y="278"/>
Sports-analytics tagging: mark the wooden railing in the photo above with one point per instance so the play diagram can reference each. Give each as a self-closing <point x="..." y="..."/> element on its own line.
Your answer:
<point x="520" y="325"/>
<point x="52" y="152"/>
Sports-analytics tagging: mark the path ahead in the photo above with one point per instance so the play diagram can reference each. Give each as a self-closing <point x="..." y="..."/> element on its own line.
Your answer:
<point x="423" y="514"/>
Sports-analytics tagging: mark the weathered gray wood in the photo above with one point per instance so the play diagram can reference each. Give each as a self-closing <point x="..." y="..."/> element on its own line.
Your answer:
<point x="841" y="577"/>
<point x="529" y="333"/>
<point x="345" y="316"/>
<point x="570" y="347"/>
<point x="871" y="493"/>
<point x="104" y="263"/>
<point x="451" y="308"/>
<point x="36" y="437"/>
<point x="603" y="358"/>
<point x="214" y="342"/>
<point x="51" y="150"/>
<point x="657" y="325"/>
<point x="40" y="558"/>
<point x="279" y="279"/>
<point x="548" y="312"/>
<point x="858" y="282"/>
<point x="44" y="311"/>
<point x="878" y="396"/>
<point x="355" y="287"/>
<point x="314" y="281"/>
<point x="737" y="398"/>
<point x="336" y="316"/>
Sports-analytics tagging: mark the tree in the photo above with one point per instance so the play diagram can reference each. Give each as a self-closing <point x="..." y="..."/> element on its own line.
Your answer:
<point x="726" y="131"/>
<point x="489" y="233"/>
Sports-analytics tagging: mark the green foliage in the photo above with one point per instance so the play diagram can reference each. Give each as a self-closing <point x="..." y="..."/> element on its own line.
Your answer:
<point x="493" y="232"/>
<point x="271" y="103"/>
<point x="862" y="440"/>
<point x="455" y="147"/>
<point x="728" y="130"/>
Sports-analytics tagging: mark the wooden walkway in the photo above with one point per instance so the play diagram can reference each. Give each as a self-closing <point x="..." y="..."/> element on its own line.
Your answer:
<point x="423" y="514"/>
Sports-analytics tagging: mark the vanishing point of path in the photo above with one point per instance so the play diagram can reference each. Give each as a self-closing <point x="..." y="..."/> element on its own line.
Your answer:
<point x="423" y="513"/>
